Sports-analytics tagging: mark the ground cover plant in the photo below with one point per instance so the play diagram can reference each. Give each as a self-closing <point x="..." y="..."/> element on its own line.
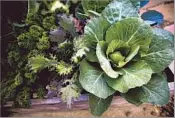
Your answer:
<point x="116" y="51"/>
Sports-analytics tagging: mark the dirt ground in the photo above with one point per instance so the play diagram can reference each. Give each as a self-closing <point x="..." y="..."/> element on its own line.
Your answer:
<point x="119" y="107"/>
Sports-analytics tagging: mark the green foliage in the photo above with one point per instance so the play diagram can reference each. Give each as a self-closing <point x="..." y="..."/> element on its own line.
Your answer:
<point x="29" y="39"/>
<point x="92" y="8"/>
<point x="98" y="105"/>
<point x="18" y="79"/>
<point x="32" y="51"/>
<point x="161" y="51"/>
<point x="25" y="40"/>
<point x="40" y="93"/>
<point x="58" y="6"/>
<point x="128" y="55"/>
<point x="63" y="68"/>
<point x="9" y="87"/>
<point x="30" y="77"/>
<point x="93" y="80"/>
<point x="79" y="48"/>
<point x="65" y="44"/>
<point x="117" y="52"/>
<point x="70" y="91"/>
<point x="36" y="31"/>
<point x="33" y="6"/>
<point x="96" y="6"/>
<point x="33" y="19"/>
<point x="156" y="91"/>
<point x="79" y="12"/>
<point x="40" y="62"/>
<point x="23" y="98"/>
<point x="43" y="43"/>
<point x="49" y="22"/>
<point x="13" y="57"/>
<point x="139" y="73"/>
<point x="66" y="22"/>
<point x="65" y="51"/>
<point x="104" y="63"/>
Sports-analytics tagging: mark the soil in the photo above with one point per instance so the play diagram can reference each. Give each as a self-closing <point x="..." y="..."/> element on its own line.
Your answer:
<point x="119" y="107"/>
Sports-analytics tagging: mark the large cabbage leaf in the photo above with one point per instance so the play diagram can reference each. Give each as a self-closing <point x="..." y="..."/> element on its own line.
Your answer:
<point x="156" y="91"/>
<point x="94" y="5"/>
<point x="99" y="105"/>
<point x="93" y="80"/>
<point x="95" y="30"/>
<point x="118" y="10"/>
<point x="134" y="75"/>
<point x="99" y="5"/>
<point x="104" y="62"/>
<point x="133" y="31"/>
<point x="161" y="51"/>
<point x="124" y="54"/>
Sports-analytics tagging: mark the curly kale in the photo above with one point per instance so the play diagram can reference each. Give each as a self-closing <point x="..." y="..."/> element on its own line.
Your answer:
<point x="43" y="43"/>
<point x="36" y="31"/>
<point x="49" y="23"/>
<point x="23" y="98"/>
<point x="64" y="51"/>
<point x="13" y="57"/>
<point x="33" y="19"/>
<point x="9" y="87"/>
<point x="32" y="52"/>
<point x="24" y="40"/>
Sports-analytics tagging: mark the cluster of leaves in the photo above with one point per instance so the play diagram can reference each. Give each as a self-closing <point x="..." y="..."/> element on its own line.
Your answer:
<point x="71" y="90"/>
<point x="126" y="55"/>
<point x="23" y="98"/>
<point x="90" y="8"/>
<point x="118" y="51"/>
<point x="40" y="62"/>
<point x="34" y="48"/>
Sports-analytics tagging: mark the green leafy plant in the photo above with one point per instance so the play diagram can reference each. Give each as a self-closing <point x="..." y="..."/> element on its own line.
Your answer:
<point x="118" y="52"/>
<point x="60" y="43"/>
<point x="40" y="62"/>
<point x="91" y="7"/>
<point x="33" y="49"/>
<point x="125" y="55"/>
<point x="23" y="98"/>
<point x="71" y="90"/>
<point x="94" y="8"/>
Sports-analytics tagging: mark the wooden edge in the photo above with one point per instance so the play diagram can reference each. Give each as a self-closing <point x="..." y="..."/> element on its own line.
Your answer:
<point x="152" y="3"/>
<point x="83" y="98"/>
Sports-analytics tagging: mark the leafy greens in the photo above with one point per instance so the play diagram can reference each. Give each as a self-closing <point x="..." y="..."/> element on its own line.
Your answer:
<point x="125" y="55"/>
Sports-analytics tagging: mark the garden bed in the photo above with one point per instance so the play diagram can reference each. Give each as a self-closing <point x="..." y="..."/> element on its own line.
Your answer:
<point x="79" y="70"/>
<point x="119" y="107"/>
